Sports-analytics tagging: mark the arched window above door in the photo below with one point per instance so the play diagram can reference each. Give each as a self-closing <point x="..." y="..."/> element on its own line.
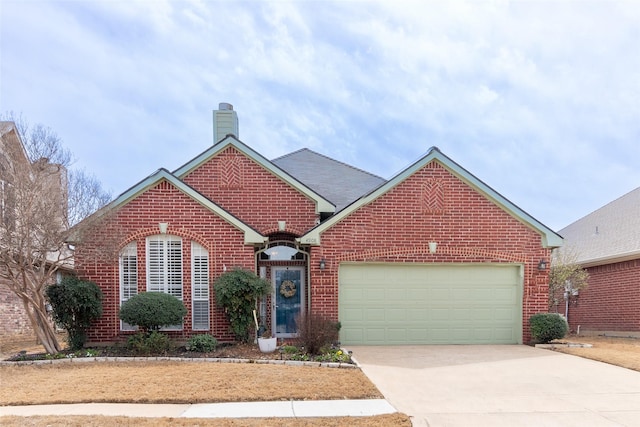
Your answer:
<point x="281" y="251"/>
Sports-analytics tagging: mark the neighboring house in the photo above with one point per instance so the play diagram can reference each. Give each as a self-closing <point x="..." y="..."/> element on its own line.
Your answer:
<point x="607" y="244"/>
<point x="14" y="323"/>
<point x="14" y="161"/>
<point x="431" y="256"/>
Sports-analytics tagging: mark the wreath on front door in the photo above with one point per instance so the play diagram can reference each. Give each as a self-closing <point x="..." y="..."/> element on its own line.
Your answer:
<point x="287" y="289"/>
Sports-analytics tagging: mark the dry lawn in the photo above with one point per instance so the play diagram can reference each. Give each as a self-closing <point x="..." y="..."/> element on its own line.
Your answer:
<point x="184" y="382"/>
<point x="177" y="382"/>
<point x="624" y="352"/>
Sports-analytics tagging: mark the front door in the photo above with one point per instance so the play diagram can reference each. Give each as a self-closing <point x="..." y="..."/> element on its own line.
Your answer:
<point x="288" y="298"/>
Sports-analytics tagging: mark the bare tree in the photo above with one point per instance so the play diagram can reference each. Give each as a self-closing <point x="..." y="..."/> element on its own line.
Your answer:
<point x="38" y="205"/>
<point x="566" y="278"/>
<point x="84" y="191"/>
<point x="85" y="195"/>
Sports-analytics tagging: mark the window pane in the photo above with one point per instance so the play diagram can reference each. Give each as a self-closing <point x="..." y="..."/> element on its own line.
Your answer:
<point x="200" y="286"/>
<point x="128" y="277"/>
<point x="201" y="315"/>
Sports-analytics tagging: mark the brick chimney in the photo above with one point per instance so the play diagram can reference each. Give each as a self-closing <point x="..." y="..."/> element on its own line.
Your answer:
<point x="225" y="122"/>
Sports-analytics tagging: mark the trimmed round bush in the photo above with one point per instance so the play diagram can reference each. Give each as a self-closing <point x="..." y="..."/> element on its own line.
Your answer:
<point x="152" y="310"/>
<point x="547" y="327"/>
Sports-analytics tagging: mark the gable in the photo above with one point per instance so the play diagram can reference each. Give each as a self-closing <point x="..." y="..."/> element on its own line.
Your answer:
<point x="251" y="236"/>
<point x="234" y="178"/>
<point x="246" y="190"/>
<point x="429" y="198"/>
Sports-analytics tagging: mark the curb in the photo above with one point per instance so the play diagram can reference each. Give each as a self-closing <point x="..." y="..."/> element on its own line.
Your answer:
<point x="180" y="359"/>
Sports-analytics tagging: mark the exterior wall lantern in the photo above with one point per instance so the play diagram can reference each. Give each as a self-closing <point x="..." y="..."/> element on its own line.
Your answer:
<point x="542" y="265"/>
<point x="323" y="264"/>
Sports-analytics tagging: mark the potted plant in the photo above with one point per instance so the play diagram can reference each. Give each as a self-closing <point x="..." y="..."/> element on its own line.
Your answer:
<point x="267" y="342"/>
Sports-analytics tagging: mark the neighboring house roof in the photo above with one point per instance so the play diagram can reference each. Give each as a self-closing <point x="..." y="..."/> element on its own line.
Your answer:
<point x="609" y="234"/>
<point x="339" y="182"/>
<point x="550" y="239"/>
<point x="322" y="204"/>
<point x="251" y="236"/>
<point x="12" y="143"/>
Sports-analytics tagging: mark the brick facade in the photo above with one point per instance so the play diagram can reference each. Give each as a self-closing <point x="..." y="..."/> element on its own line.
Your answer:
<point x="610" y="302"/>
<point x="397" y="226"/>
<point x="14" y="322"/>
<point x="432" y="204"/>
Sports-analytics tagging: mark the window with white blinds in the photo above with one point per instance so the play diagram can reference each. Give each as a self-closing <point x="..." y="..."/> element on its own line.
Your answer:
<point x="200" y="286"/>
<point x="164" y="265"/>
<point x="128" y="262"/>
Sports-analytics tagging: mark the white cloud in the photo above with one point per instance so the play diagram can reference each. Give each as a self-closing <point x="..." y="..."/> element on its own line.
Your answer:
<point x="539" y="99"/>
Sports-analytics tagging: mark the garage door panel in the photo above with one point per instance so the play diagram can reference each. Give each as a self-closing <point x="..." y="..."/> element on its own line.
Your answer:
<point x="504" y="314"/>
<point x="435" y="293"/>
<point x="417" y="314"/>
<point x="373" y="314"/>
<point x="437" y="314"/>
<point x="462" y="314"/>
<point x="352" y="315"/>
<point x="375" y="335"/>
<point x="430" y="304"/>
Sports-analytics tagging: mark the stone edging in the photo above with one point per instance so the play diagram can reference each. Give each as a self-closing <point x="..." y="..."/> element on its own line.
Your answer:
<point x="564" y="345"/>
<point x="180" y="359"/>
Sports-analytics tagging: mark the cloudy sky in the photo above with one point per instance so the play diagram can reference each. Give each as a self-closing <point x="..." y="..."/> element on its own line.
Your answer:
<point x="539" y="99"/>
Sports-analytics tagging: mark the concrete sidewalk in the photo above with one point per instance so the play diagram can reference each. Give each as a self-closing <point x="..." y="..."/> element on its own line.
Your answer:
<point x="289" y="409"/>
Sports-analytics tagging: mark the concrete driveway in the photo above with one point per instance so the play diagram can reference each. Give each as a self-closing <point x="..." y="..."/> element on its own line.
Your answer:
<point x="508" y="385"/>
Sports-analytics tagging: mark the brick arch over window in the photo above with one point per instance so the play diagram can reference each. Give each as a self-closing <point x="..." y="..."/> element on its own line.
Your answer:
<point x="180" y="232"/>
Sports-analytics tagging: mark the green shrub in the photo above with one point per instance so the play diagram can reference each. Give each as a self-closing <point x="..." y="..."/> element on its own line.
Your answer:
<point x="152" y="310"/>
<point x="202" y="343"/>
<point x="237" y="292"/>
<point x="153" y="342"/>
<point x="547" y="327"/>
<point x="289" y="349"/>
<point x="75" y="305"/>
<point x="316" y="332"/>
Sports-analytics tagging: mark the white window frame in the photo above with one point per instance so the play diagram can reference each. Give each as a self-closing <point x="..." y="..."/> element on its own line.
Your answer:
<point x="200" y="294"/>
<point x="128" y="277"/>
<point x="164" y="271"/>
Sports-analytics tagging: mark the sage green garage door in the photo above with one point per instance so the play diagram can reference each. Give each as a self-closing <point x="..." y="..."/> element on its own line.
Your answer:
<point x="393" y="304"/>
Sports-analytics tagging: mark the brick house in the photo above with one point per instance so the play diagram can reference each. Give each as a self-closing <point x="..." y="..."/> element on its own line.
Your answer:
<point x="433" y="255"/>
<point x="607" y="245"/>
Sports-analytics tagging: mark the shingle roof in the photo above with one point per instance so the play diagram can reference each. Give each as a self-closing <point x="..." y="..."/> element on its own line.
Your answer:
<point x="609" y="234"/>
<point x="339" y="182"/>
